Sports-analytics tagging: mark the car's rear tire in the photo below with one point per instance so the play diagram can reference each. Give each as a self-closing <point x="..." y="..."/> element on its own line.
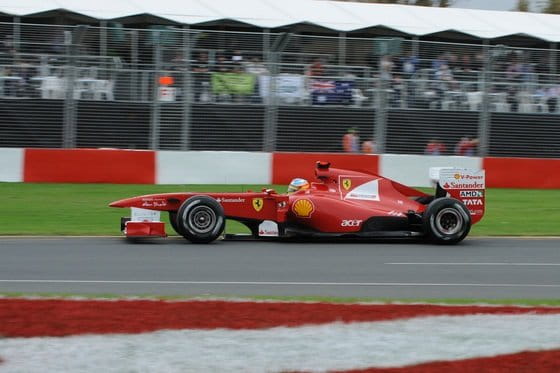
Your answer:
<point x="200" y="219"/>
<point x="446" y="221"/>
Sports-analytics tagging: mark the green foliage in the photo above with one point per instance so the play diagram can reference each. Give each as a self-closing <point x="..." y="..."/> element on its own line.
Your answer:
<point x="553" y="7"/>
<point x="522" y="6"/>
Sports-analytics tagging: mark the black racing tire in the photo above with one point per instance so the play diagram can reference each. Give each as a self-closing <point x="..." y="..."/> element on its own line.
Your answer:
<point x="200" y="219"/>
<point x="446" y="221"/>
<point x="173" y="221"/>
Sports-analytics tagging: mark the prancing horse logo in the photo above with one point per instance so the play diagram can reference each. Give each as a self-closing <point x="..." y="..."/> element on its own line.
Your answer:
<point x="346" y="183"/>
<point x="258" y="204"/>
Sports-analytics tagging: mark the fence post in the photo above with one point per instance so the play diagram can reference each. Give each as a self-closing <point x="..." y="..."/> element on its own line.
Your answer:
<point x="103" y="38"/>
<point x="134" y="64"/>
<point x="188" y="95"/>
<point x="70" y="110"/>
<point x="271" y="108"/>
<point x="155" y="109"/>
<point x="342" y="48"/>
<point x="484" y="119"/>
<point x="380" y="125"/>
<point x="553" y="60"/>
<point x="17" y="33"/>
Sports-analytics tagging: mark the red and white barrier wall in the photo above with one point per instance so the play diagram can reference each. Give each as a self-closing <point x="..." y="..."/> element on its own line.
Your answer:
<point x="174" y="167"/>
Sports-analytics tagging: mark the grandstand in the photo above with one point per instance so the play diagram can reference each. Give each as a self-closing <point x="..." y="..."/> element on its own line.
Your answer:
<point x="289" y="76"/>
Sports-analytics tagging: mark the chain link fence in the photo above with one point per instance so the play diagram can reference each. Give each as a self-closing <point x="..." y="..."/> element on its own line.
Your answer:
<point x="183" y="89"/>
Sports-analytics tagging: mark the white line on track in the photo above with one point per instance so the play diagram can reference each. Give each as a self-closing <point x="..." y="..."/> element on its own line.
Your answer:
<point x="479" y="264"/>
<point x="272" y="283"/>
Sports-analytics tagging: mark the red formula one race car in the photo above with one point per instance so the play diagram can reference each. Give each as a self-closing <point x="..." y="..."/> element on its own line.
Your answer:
<point x="340" y="204"/>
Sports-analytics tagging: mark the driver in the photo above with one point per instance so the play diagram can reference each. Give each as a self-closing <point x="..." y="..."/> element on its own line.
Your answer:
<point x="298" y="184"/>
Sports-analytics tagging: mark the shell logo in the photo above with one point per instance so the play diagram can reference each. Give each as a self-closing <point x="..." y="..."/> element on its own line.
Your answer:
<point x="303" y="208"/>
<point x="457" y="176"/>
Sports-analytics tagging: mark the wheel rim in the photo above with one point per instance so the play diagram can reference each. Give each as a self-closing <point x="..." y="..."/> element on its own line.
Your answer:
<point x="202" y="219"/>
<point x="449" y="221"/>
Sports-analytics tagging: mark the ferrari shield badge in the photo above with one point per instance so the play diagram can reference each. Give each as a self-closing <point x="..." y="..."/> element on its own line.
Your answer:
<point x="258" y="204"/>
<point x="346" y="183"/>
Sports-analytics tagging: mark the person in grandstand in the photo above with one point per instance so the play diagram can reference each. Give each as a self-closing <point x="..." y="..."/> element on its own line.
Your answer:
<point x="297" y="185"/>
<point x="434" y="147"/>
<point x="351" y="141"/>
<point x="466" y="146"/>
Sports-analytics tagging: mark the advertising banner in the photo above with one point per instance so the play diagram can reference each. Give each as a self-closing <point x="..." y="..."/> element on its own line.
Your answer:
<point x="233" y="83"/>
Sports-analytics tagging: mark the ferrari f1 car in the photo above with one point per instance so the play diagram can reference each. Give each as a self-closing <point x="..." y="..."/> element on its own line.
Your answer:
<point x="339" y="204"/>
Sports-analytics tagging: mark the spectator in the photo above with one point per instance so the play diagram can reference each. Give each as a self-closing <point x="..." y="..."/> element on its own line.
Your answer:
<point x="256" y="67"/>
<point x="223" y="65"/>
<point x="316" y="68"/>
<point x="466" y="63"/>
<point x="434" y="147"/>
<point x="409" y="65"/>
<point x="368" y="146"/>
<point x="453" y="62"/>
<point x="512" y="97"/>
<point x="514" y="71"/>
<point x="237" y="62"/>
<point x="237" y="57"/>
<point x="551" y="98"/>
<point x="201" y="69"/>
<point x="397" y="85"/>
<point x="351" y="141"/>
<point x="440" y="60"/>
<point x="7" y="50"/>
<point x="466" y="146"/>
<point x="478" y="61"/>
<point x="445" y="76"/>
<point x="386" y="67"/>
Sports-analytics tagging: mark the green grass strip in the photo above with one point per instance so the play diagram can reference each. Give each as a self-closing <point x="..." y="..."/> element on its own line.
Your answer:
<point x="450" y="301"/>
<point x="81" y="209"/>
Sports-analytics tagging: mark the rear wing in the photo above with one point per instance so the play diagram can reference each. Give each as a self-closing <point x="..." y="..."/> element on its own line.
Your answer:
<point x="466" y="185"/>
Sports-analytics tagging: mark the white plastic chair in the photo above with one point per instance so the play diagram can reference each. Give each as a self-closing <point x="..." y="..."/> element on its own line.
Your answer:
<point x="474" y="100"/>
<point x="104" y="88"/>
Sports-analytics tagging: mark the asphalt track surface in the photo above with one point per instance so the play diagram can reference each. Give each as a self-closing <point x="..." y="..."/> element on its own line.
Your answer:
<point x="490" y="268"/>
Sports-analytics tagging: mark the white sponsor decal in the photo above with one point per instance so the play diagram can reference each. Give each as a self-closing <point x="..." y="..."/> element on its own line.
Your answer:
<point x="231" y="200"/>
<point x="473" y="202"/>
<point x="150" y="202"/>
<point x="137" y="214"/>
<point x="351" y="223"/>
<point x="311" y="348"/>
<point x="472" y="194"/>
<point x="456" y="178"/>
<point x="268" y="228"/>
<point x="396" y="213"/>
<point x="367" y="192"/>
<point x="454" y="185"/>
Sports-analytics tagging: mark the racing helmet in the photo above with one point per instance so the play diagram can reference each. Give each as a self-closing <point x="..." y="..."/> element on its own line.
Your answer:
<point x="298" y="184"/>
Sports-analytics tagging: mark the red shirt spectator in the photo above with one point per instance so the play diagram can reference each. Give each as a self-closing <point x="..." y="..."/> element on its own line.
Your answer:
<point x="368" y="147"/>
<point x="434" y="147"/>
<point x="316" y="68"/>
<point x="351" y="141"/>
<point x="466" y="146"/>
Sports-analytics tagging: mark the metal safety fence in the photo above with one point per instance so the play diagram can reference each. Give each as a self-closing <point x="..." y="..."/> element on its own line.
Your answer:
<point x="173" y="88"/>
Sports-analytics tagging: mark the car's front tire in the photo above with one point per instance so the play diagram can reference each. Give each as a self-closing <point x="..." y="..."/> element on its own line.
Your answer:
<point x="200" y="219"/>
<point x="173" y="221"/>
<point x="446" y="221"/>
